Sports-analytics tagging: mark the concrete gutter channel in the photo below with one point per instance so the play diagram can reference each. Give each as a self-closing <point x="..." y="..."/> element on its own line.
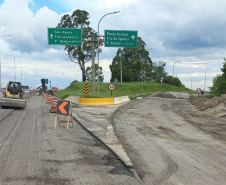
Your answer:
<point x="103" y="132"/>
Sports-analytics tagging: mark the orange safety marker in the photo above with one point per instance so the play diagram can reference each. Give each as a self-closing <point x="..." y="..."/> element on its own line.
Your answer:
<point x="45" y="96"/>
<point x="49" y="99"/>
<point x="64" y="108"/>
<point x="53" y="108"/>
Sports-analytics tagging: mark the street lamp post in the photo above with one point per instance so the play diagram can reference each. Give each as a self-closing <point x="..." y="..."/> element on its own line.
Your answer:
<point x="14" y="65"/>
<point x="21" y="73"/>
<point x="205" y="79"/>
<point x="99" y="44"/>
<point x="121" y="65"/>
<point x="173" y="70"/>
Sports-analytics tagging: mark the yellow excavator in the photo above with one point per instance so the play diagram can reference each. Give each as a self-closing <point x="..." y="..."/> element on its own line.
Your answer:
<point x="13" y="96"/>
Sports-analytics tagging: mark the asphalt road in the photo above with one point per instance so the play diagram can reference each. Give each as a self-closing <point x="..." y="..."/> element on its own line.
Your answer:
<point x="165" y="148"/>
<point x="32" y="152"/>
<point x="160" y="139"/>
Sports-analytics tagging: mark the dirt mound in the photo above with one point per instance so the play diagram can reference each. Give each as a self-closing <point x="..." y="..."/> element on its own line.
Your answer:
<point x="209" y="105"/>
<point x="163" y="95"/>
<point x="203" y="103"/>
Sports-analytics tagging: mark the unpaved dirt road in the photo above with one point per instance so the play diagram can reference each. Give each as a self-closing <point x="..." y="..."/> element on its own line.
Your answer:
<point x="169" y="142"/>
<point x="33" y="153"/>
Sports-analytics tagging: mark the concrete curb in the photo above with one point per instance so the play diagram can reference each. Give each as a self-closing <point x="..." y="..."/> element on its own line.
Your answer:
<point x="111" y="141"/>
<point x="96" y="101"/>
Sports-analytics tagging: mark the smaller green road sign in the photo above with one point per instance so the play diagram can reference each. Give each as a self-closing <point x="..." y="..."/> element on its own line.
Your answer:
<point x="64" y="36"/>
<point x="120" y="38"/>
<point x="46" y="81"/>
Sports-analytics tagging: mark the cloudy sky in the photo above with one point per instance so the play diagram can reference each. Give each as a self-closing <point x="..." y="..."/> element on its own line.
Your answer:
<point x="189" y="31"/>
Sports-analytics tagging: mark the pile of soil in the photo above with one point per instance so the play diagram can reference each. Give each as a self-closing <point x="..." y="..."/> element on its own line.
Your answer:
<point x="203" y="103"/>
<point x="210" y="105"/>
<point x="163" y="95"/>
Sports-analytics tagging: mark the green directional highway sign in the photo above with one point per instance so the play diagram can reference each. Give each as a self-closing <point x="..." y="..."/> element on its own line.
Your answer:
<point x="120" y="38"/>
<point x="64" y="36"/>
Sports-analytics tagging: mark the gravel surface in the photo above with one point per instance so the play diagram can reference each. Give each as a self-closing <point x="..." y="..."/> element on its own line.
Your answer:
<point x="170" y="142"/>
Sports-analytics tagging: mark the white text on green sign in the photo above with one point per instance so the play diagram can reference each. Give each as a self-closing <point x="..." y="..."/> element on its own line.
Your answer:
<point x="64" y="36"/>
<point x="120" y="38"/>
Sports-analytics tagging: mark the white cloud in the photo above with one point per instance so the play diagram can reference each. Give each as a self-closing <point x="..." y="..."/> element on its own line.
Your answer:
<point x="192" y="31"/>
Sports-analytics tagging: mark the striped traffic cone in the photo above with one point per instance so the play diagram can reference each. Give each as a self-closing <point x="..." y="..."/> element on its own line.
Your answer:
<point x="53" y="108"/>
<point x="49" y="99"/>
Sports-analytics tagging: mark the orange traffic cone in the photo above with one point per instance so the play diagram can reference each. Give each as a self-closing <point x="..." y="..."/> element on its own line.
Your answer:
<point x="49" y="99"/>
<point x="53" y="108"/>
<point x="45" y="96"/>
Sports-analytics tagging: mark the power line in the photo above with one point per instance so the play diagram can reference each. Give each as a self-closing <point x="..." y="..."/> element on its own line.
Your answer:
<point x="112" y="50"/>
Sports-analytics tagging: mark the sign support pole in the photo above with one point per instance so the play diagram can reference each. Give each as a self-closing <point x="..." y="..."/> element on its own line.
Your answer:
<point x="93" y="64"/>
<point x="121" y="64"/>
<point x="68" y="113"/>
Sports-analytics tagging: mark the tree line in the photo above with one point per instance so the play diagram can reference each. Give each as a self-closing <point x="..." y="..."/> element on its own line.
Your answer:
<point x="219" y="82"/>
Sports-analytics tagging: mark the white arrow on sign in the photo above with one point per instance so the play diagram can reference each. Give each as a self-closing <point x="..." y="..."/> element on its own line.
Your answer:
<point x="133" y="37"/>
<point x="51" y="36"/>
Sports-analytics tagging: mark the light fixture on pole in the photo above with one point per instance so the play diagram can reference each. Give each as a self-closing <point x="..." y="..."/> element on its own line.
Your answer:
<point x="99" y="44"/>
<point x="205" y="79"/>
<point x="173" y="70"/>
<point x="14" y="65"/>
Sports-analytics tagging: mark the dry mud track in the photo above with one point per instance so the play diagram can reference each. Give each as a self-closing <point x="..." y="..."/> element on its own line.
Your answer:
<point x="167" y="143"/>
<point x="33" y="153"/>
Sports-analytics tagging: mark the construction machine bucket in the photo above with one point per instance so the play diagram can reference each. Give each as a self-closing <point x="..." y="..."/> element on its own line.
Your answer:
<point x="10" y="102"/>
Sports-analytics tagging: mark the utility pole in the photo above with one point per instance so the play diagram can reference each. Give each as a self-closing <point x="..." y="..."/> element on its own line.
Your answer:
<point x="205" y="79"/>
<point x="173" y="71"/>
<point x="99" y="44"/>
<point x="121" y="64"/>
<point x="14" y="65"/>
<point x="93" y="39"/>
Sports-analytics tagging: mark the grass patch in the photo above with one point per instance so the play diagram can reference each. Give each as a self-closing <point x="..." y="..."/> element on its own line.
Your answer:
<point x="126" y="89"/>
<point x="142" y="95"/>
<point x="208" y="96"/>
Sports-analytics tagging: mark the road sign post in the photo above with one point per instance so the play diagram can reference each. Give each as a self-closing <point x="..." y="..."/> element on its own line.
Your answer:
<point x="111" y="87"/>
<point x="64" y="36"/>
<point x="63" y="108"/>
<point x="198" y="90"/>
<point x="120" y="38"/>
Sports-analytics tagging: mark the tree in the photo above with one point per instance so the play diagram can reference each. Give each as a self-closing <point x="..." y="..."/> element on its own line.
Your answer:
<point x="158" y="72"/>
<point x="79" y="54"/>
<point x="224" y="69"/>
<point x="89" y="74"/>
<point x="138" y="66"/>
<point x="219" y="82"/>
<point x="219" y="85"/>
<point x="170" y="80"/>
<point x="132" y="59"/>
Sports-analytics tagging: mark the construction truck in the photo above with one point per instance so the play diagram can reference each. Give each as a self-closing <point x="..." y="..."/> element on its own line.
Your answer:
<point x="13" y="96"/>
